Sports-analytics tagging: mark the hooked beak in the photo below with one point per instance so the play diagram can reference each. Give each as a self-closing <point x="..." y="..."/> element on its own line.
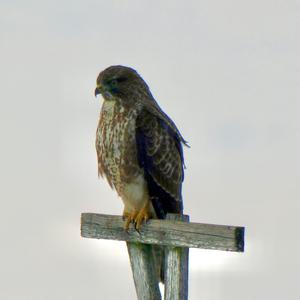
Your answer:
<point x="98" y="90"/>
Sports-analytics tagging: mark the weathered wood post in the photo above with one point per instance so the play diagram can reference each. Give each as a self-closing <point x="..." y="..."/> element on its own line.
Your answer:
<point x="176" y="267"/>
<point x="176" y="234"/>
<point x="144" y="275"/>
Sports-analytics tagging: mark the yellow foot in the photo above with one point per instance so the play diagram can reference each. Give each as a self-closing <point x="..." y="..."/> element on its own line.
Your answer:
<point x="137" y="218"/>
<point x="141" y="217"/>
<point x="128" y="218"/>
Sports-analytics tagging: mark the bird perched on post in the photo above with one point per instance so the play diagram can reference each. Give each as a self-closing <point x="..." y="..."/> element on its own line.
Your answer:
<point x="139" y="147"/>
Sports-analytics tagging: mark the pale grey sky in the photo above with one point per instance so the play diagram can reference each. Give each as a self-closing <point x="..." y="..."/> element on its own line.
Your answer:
<point x="227" y="72"/>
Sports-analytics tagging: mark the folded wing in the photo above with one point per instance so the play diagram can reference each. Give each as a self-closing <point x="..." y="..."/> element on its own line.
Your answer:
<point x="160" y="154"/>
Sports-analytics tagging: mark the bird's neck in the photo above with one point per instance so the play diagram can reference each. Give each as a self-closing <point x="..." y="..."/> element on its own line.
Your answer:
<point x="119" y="106"/>
<point x="114" y="108"/>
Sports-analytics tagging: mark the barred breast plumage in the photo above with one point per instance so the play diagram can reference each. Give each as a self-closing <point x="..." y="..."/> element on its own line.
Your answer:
<point x="117" y="154"/>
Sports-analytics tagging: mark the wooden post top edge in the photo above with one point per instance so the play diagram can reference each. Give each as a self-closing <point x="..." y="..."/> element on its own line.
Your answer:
<point x="86" y="215"/>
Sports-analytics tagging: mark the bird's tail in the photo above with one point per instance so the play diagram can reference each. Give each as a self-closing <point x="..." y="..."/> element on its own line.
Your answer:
<point x="159" y="260"/>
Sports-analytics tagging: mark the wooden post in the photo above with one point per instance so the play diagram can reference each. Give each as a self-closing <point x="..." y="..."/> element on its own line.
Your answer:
<point x="144" y="275"/>
<point x="176" y="268"/>
<point x="176" y="234"/>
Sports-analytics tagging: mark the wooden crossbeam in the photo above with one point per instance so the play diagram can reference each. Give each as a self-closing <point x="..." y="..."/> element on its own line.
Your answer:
<point x="176" y="234"/>
<point x="165" y="232"/>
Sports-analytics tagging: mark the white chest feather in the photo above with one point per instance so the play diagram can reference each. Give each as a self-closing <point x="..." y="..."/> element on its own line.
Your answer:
<point x="135" y="193"/>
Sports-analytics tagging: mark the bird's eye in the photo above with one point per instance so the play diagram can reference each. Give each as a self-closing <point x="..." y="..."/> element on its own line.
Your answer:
<point x="113" y="83"/>
<point x="121" y="79"/>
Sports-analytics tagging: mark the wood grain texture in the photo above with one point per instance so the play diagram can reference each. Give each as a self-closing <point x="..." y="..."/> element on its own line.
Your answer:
<point x="144" y="275"/>
<point x="165" y="232"/>
<point x="176" y="268"/>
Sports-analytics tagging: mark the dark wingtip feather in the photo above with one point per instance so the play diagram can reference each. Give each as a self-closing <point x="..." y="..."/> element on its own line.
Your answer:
<point x="185" y="143"/>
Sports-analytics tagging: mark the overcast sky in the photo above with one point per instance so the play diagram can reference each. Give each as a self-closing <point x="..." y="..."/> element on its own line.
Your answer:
<point x="228" y="74"/>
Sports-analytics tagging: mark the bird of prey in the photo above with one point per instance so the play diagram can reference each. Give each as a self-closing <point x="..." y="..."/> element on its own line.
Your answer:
<point x="139" y="147"/>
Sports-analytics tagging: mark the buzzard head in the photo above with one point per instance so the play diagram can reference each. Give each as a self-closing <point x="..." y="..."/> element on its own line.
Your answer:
<point x="120" y="82"/>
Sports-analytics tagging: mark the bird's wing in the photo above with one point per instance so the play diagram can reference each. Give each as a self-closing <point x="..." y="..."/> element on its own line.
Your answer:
<point x="160" y="155"/>
<point x="153" y="107"/>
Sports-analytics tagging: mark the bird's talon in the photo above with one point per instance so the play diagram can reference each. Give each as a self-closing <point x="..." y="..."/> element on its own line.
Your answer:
<point x="136" y="218"/>
<point x="137" y="230"/>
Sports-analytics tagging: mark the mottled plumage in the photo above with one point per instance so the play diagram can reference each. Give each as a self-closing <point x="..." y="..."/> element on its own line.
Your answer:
<point x="139" y="148"/>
